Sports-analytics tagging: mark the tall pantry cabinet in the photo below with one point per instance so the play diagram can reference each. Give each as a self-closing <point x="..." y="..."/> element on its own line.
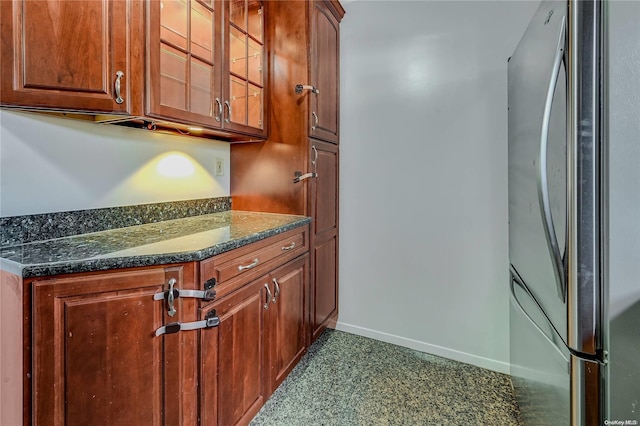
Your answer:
<point x="296" y="170"/>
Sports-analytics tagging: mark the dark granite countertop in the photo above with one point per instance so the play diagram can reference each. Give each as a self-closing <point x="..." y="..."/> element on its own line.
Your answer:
<point x="171" y="241"/>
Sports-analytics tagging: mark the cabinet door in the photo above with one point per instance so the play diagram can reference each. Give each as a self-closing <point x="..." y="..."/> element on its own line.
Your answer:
<point x="184" y="49"/>
<point x="325" y="54"/>
<point x="287" y="326"/>
<point x="232" y="356"/>
<point x="324" y="259"/>
<point x="68" y="54"/>
<point x="246" y="67"/>
<point x="96" y="360"/>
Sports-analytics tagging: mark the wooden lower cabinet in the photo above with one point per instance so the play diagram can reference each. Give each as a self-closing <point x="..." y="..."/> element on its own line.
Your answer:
<point x="287" y="325"/>
<point x="232" y="380"/>
<point x="96" y="359"/>
<point x="324" y="204"/>
<point x="324" y="290"/>
<point x="261" y="337"/>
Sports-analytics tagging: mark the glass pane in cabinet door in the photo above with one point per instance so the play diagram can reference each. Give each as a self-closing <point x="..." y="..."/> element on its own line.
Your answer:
<point x="238" y="101"/>
<point x="173" y="77"/>
<point x="254" y="107"/>
<point x="254" y="17"/>
<point x="201" y="31"/>
<point x="201" y="96"/>
<point x="238" y="53"/>
<point x="254" y="61"/>
<point x="237" y="15"/>
<point x="173" y="22"/>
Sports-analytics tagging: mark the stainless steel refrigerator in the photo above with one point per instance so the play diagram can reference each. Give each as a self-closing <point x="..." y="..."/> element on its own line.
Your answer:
<point x="574" y="214"/>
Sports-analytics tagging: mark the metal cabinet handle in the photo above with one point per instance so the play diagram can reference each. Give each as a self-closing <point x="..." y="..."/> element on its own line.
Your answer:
<point x="543" y="188"/>
<point x="315" y="155"/>
<point x="249" y="266"/>
<point x="315" y="120"/>
<point x="227" y="119"/>
<point x="300" y="87"/>
<point x="119" y="75"/>
<point x="171" y="298"/>
<point x="276" y="292"/>
<point x="218" y="116"/>
<point x="289" y="247"/>
<point x="266" y="305"/>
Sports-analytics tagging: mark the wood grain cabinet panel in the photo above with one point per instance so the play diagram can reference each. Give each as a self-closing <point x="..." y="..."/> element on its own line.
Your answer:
<point x="287" y="326"/>
<point x="78" y="55"/>
<point x="96" y="359"/>
<point x="232" y="376"/>
<point x="324" y="289"/>
<point x="263" y="333"/>
<point x="325" y="71"/>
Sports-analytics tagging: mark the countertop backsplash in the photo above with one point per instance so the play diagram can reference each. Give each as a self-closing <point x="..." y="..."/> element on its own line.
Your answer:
<point x="39" y="227"/>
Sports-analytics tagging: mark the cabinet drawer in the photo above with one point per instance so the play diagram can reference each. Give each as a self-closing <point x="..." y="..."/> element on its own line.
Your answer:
<point x="235" y="268"/>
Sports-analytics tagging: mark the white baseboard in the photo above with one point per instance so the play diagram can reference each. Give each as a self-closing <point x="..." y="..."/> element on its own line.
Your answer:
<point x="489" y="364"/>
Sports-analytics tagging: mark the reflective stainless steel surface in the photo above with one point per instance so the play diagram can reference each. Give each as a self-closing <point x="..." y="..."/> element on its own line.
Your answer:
<point x="584" y="144"/>
<point x="539" y="363"/>
<point x="531" y="69"/>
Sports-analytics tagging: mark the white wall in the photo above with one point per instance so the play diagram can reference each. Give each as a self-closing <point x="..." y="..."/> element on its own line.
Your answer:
<point x="52" y="164"/>
<point x="423" y="213"/>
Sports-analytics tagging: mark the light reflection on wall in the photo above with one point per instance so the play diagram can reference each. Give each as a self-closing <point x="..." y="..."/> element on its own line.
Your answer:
<point x="174" y="173"/>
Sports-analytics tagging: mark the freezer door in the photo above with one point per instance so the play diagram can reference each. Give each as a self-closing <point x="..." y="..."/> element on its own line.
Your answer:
<point x="539" y="363"/>
<point x="538" y="160"/>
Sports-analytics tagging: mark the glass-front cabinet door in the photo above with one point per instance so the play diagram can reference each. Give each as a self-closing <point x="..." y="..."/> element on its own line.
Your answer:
<point x="207" y="64"/>
<point x="184" y="73"/>
<point x="245" y="58"/>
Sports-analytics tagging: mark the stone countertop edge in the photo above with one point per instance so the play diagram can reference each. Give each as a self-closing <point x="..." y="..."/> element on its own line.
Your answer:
<point x="103" y="264"/>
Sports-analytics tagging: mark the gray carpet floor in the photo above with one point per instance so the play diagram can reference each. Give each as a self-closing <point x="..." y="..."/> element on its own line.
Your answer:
<point x="346" y="379"/>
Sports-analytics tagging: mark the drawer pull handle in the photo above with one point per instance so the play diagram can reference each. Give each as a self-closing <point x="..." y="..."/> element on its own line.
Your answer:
<point x="269" y="298"/>
<point x="276" y="292"/>
<point x="249" y="266"/>
<point x="289" y="247"/>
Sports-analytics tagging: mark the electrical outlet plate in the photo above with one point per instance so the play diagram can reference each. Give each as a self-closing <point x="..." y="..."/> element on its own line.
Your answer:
<point x="219" y="167"/>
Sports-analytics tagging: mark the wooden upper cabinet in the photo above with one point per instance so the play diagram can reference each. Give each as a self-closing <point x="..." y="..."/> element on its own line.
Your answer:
<point x="78" y="55"/>
<point x="324" y="70"/>
<point x="206" y="63"/>
<point x="185" y="70"/>
<point x="245" y="61"/>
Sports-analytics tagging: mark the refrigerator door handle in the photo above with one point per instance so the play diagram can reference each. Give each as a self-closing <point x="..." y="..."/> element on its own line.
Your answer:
<point x="515" y="281"/>
<point x="543" y="188"/>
